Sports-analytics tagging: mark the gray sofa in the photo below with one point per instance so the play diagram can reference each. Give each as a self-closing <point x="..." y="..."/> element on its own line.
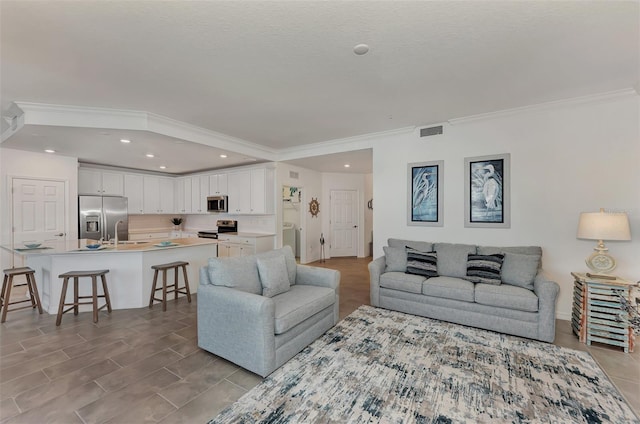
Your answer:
<point x="259" y="311"/>
<point x="522" y="302"/>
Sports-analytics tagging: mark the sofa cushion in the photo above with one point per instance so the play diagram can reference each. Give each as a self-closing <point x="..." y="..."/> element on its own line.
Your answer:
<point x="404" y="282"/>
<point x="423" y="246"/>
<point x="289" y="259"/>
<point x="240" y="273"/>
<point x="395" y="259"/>
<point x="300" y="303"/>
<point x="521" y="263"/>
<point x="449" y="288"/>
<point x="422" y="263"/>
<point x="273" y="275"/>
<point x="505" y="296"/>
<point x="484" y="268"/>
<point x="452" y="258"/>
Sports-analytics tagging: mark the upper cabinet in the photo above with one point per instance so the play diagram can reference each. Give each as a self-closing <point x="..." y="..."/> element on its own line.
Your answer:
<point x="102" y="183"/>
<point x="133" y="191"/>
<point x="199" y="193"/>
<point x="251" y="191"/>
<point x="158" y="194"/>
<point x="218" y="184"/>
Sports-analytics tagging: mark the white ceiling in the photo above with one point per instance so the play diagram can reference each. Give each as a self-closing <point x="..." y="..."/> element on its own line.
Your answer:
<point x="282" y="74"/>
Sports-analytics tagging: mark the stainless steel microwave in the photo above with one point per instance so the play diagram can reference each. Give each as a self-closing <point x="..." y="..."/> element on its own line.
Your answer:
<point x="217" y="204"/>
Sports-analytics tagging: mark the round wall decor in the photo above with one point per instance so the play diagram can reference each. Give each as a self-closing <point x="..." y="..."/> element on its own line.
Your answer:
<point x="314" y="207"/>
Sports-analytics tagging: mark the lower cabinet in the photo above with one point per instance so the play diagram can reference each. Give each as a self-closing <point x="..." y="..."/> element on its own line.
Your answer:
<point x="230" y="246"/>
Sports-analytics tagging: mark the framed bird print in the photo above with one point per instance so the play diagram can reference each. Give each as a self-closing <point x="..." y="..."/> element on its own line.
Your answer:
<point x="486" y="191"/>
<point x="425" y="193"/>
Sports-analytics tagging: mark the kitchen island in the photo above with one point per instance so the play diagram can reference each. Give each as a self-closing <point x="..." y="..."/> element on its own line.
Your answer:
<point x="130" y="275"/>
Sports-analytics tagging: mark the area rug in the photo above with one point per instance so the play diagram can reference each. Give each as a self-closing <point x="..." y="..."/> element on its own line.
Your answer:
<point x="380" y="366"/>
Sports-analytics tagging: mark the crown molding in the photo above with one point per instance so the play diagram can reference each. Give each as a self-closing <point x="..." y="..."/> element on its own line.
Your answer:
<point x="593" y="98"/>
<point x="93" y="117"/>
<point x="359" y="142"/>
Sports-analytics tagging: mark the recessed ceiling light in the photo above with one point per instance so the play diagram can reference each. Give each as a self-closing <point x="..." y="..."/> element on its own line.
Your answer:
<point x="124" y="140"/>
<point x="361" y="49"/>
<point x="50" y="151"/>
<point x="346" y="165"/>
<point x="163" y="167"/>
<point x="150" y="155"/>
<point x="223" y="156"/>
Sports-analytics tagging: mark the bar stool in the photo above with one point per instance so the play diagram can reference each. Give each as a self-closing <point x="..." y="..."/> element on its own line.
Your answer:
<point x="7" y="285"/>
<point x="176" y="289"/>
<point x="94" y="297"/>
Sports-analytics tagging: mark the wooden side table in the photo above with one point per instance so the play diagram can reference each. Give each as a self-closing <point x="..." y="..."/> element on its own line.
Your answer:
<point x="596" y="310"/>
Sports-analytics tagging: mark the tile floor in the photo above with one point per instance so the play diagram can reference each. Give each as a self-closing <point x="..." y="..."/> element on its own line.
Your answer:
<point x="143" y="365"/>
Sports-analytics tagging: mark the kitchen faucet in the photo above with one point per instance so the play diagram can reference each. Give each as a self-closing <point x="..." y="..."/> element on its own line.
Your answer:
<point x="115" y="243"/>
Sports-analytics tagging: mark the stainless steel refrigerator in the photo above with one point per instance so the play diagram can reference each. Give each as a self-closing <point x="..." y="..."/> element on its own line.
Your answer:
<point x="98" y="216"/>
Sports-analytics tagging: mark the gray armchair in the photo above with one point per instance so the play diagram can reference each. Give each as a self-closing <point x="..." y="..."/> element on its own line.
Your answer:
<point x="256" y="332"/>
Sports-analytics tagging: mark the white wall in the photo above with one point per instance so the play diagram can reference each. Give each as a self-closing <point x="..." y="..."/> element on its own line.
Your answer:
<point x="18" y="163"/>
<point x="565" y="159"/>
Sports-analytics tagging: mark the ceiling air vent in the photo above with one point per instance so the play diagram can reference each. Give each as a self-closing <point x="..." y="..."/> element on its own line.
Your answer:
<point x="425" y="132"/>
<point x="294" y="175"/>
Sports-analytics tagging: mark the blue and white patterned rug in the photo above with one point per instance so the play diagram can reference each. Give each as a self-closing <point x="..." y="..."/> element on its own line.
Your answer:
<point x="379" y="366"/>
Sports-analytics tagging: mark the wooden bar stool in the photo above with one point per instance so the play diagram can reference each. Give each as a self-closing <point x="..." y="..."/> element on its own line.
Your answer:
<point x="7" y="285"/>
<point x="94" y="297"/>
<point x="175" y="289"/>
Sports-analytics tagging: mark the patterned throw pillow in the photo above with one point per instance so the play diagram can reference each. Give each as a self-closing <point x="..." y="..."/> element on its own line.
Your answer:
<point x="484" y="268"/>
<point x="422" y="263"/>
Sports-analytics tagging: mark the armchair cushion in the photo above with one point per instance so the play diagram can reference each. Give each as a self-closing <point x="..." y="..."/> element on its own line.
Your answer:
<point x="300" y="303"/>
<point x="273" y="276"/>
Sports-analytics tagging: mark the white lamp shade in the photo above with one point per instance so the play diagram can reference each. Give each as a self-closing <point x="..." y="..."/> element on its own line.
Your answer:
<point x="604" y="226"/>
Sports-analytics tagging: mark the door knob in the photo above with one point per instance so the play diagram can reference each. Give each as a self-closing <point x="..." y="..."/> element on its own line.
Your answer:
<point x="355" y="226"/>
<point x="59" y="235"/>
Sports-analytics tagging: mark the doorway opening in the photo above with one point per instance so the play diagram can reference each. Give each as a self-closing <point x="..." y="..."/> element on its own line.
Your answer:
<point x="292" y="220"/>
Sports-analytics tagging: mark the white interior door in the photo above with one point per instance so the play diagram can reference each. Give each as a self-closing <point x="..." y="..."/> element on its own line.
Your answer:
<point x="344" y="223"/>
<point x="38" y="210"/>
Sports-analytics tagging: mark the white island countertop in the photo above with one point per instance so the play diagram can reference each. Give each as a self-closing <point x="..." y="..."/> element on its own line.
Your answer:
<point x="79" y="246"/>
<point x="130" y="274"/>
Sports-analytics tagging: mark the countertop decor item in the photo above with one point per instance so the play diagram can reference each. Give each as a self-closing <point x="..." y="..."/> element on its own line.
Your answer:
<point x="603" y="226"/>
<point x="176" y="222"/>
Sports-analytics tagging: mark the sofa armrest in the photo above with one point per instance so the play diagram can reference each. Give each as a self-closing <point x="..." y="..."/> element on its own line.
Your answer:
<point x="238" y="326"/>
<point x="547" y="292"/>
<point x="316" y="276"/>
<point x="376" y="269"/>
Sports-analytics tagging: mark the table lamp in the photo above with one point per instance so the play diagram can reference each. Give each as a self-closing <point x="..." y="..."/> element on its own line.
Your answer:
<point x="603" y="226"/>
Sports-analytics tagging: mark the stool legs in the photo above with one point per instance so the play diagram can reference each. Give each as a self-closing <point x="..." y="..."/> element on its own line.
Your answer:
<point x="186" y="281"/>
<point x="63" y="295"/>
<point x="175" y="288"/>
<point x="7" y="295"/>
<point x="33" y="291"/>
<point x="76" y="295"/>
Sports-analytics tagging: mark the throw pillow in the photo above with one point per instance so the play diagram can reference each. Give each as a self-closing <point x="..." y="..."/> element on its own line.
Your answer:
<point x="422" y="263"/>
<point x="395" y="259"/>
<point x="240" y="273"/>
<point x="484" y="268"/>
<point x="273" y="276"/>
<point x="520" y="270"/>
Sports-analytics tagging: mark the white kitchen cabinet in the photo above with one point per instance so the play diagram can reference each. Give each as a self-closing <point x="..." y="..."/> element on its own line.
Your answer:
<point x="103" y="183"/>
<point x="183" y="195"/>
<point x="251" y="191"/>
<point x="239" y="192"/>
<point x="232" y="245"/>
<point x="134" y="192"/>
<point x="199" y="193"/>
<point x="158" y="194"/>
<point x="218" y="185"/>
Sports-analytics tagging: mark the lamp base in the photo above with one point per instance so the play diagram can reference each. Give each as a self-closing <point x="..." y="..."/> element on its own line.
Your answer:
<point x="600" y="261"/>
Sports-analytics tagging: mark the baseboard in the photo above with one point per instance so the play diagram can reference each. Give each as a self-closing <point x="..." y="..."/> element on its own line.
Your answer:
<point x="566" y="316"/>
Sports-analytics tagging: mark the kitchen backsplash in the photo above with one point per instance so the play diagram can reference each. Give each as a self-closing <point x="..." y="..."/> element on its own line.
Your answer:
<point x="246" y="224"/>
